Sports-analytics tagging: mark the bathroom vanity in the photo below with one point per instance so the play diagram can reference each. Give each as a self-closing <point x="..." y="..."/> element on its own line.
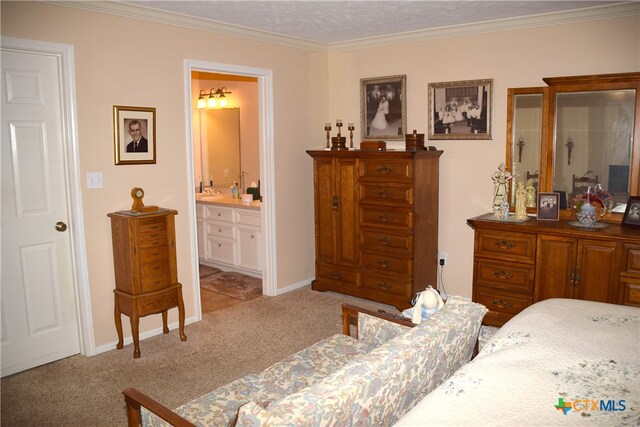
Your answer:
<point x="229" y="233"/>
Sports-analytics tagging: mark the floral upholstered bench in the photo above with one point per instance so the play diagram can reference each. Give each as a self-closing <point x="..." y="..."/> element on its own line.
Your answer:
<point x="341" y="380"/>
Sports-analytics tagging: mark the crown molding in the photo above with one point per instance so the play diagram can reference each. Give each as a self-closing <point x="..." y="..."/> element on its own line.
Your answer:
<point x="179" y="20"/>
<point x="532" y="21"/>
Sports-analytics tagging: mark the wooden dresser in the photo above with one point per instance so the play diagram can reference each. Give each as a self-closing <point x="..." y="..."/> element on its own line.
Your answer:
<point x="144" y="257"/>
<point x="516" y="265"/>
<point x="376" y="223"/>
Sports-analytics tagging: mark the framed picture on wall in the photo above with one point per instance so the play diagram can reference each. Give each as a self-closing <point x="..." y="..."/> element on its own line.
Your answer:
<point x="383" y="107"/>
<point x="548" y="206"/>
<point x="460" y="110"/>
<point x="134" y="130"/>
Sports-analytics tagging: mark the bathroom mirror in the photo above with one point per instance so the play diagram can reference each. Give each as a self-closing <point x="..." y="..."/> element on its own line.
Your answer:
<point x="220" y="146"/>
<point x="526" y="112"/>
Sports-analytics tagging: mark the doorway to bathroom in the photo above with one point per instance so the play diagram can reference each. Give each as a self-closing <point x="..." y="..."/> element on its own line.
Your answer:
<point x="231" y="150"/>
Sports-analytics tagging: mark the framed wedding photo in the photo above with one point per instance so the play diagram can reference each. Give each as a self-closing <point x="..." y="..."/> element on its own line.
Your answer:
<point x="134" y="135"/>
<point x="548" y="206"/>
<point x="631" y="217"/>
<point x="383" y="107"/>
<point x="460" y="110"/>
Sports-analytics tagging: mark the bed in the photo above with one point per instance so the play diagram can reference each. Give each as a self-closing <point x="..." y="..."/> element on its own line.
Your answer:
<point x="558" y="362"/>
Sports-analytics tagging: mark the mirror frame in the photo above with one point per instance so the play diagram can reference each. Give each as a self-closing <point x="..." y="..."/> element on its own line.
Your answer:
<point x="511" y="94"/>
<point x="567" y="84"/>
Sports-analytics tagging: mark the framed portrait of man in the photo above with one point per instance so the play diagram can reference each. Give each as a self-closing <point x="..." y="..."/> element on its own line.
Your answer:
<point x="134" y="135"/>
<point x="383" y="107"/>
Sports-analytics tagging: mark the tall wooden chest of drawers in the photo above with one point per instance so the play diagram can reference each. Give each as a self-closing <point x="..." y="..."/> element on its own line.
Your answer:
<point x="376" y="223"/>
<point x="144" y="257"/>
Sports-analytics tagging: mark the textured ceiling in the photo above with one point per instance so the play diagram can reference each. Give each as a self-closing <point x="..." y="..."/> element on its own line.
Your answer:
<point x="343" y="21"/>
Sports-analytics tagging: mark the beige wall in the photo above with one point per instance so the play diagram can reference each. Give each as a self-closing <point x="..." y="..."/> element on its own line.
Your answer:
<point x="516" y="58"/>
<point x="120" y="61"/>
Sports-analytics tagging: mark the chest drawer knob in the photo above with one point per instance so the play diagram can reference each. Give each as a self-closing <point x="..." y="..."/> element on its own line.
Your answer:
<point x="384" y="170"/>
<point x="385" y="263"/>
<point x="385" y="240"/>
<point x="336" y="275"/>
<point x="500" y="303"/>
<point x="385" y="217"/>
<point x="501" y="274"/>
<point x="384" y="194"/>
<point x="503" y="244"/>
<point x="383" y="285"/>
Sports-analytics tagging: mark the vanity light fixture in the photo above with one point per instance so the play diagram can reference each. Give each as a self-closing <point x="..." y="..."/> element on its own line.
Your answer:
<point x="216" y="98"/>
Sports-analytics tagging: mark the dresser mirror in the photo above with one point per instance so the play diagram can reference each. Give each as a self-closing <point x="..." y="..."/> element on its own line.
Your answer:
<point x="527" y="109"/>
<point x="588" y="135"/>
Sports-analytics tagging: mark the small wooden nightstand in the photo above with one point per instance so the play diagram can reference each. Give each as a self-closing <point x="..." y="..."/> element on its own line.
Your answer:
<point x="144" y="258"/>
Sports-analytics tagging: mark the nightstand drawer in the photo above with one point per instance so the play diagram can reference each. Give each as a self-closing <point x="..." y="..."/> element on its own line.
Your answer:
<point x="520" y="247"/>
<point x="388" y="170"/>
<point x="389" y="194"/>
<point x="504" y="275"/>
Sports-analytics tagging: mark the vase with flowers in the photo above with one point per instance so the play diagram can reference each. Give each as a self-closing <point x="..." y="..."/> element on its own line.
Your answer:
<point x="589" y="207"/>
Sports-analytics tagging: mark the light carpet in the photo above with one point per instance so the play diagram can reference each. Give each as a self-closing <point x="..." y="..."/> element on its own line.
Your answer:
<point x="226" y="345"/>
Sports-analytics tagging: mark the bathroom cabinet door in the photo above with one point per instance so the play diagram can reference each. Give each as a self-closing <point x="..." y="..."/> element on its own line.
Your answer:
<point x="248" y="239"/>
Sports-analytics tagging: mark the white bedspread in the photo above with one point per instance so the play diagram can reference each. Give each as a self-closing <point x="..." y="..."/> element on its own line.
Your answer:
<point x="565" y="349"/>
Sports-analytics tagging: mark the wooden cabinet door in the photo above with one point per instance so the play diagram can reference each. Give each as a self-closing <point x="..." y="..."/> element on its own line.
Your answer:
<point x="555" y="267"/>
<point x="597" y="267"/>
<point x="336" y="211"/>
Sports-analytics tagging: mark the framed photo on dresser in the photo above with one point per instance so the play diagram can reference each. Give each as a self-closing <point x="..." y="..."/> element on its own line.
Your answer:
<point x="548" y="206"/>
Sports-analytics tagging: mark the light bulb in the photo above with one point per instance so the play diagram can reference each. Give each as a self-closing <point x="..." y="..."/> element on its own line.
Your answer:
<point x="211" y="102"/>
<point x="202" y="103"/>
<point x="223" y="102"/>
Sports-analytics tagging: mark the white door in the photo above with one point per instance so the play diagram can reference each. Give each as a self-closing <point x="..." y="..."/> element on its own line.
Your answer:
<point x="39" y="322"/>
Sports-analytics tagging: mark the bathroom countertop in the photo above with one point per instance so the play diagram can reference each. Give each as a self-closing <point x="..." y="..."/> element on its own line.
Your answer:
<point x="226" y="200"/>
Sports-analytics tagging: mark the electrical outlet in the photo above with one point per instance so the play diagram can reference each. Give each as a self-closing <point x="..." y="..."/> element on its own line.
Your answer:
<point x="227" y="172"/>
<point x="442" y="258"/>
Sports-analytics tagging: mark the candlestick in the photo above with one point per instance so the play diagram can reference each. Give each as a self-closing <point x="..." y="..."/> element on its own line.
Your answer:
<point x="351" y="128"/>
<point x="569" y="146"/>
<point x="327" y="127"/>
<point x="339" y="126"/>
<point x="520" y="147"/>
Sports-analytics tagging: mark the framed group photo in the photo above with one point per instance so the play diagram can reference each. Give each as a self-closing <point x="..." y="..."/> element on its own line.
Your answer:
<point x="460" y="110"/>
<point x="548" y="206"/>
<point x="134" y="130"/>
<point x="383" y="107"/>
<point x="631" y="217"/>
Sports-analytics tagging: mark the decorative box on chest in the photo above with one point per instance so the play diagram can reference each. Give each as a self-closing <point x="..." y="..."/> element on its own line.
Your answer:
<point x="376" y="223"/>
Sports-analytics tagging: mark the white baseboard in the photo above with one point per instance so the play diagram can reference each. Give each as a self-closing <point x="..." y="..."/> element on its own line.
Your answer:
<point x="128" y="340"/>
<point x="290" y="288"/>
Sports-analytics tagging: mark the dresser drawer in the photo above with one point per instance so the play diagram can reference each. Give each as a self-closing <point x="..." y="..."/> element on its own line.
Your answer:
<point x="154" y="277"/>
<point x="381" y="216"/>
<point x="629" y="292"/>
<point x="387" y="170"/>
<point x="502" y="305"/>
<point x="390" y="194"/>
<point x="221" y="249"/>
<point x="155" y="254"/>
<point x="386" y="284"/>
<point x="334" y="273"/>
<point x="152" y="226"/>
<point x="382" y="240"/>
<point x="520" y="247"/>
<point x="157" y="303"/>
<point x="385" y="263"/>
<point x="150" y="242"/>
<point x="504" y="275"/>
<point x="631" y="260"/>
<point x="218" y="213"/>
<point x="220" y="229"/>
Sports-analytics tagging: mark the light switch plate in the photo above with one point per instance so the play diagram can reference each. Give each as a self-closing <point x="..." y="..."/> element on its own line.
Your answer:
<point x="94" y="180"/>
